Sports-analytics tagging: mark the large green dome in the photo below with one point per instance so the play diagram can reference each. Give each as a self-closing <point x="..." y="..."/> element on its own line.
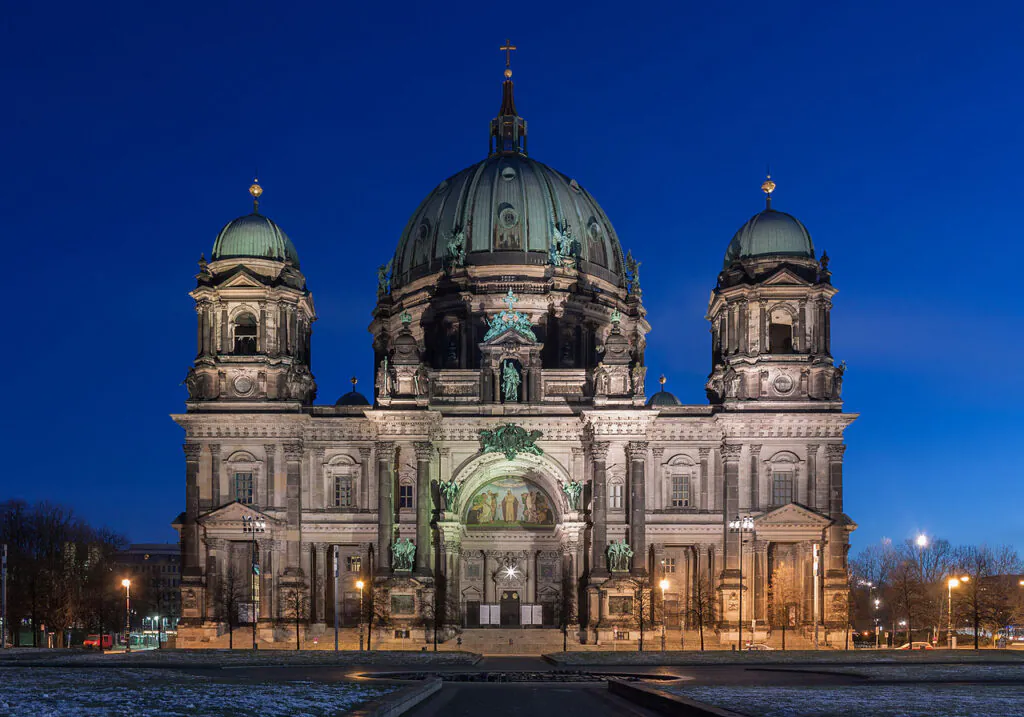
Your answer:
<point x="254" y="236"/>
<point x="770" y="233"/>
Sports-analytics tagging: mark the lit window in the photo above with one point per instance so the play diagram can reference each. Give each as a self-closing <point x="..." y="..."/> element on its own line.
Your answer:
<point x="405" y="495"/>
<point x="615" y="497"/>
<point x="343" y="491"/>
<point x="243" y="488"/>
<point x="354" y="564"/>
<point x="782" y="487"/>
<point x="680" y="491"/>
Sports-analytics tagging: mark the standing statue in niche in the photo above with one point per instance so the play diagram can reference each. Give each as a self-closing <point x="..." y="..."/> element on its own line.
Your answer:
<point x="450" y="492"/>
<point x="510" y="382"/>
<point x="619" y="556"/>
<point x="572" y="491"/>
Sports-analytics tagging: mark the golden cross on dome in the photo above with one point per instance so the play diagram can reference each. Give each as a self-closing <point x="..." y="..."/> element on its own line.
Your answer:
<point x="507" y="48"/>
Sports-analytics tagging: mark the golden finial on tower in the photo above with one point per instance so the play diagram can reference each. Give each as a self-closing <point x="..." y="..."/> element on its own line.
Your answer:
<point x="256" y="190"/>
<point x="662" y="380"/>
<point x="507" y="48"/>
<point x="768" y="187"/>
<point x="353" y="381"/>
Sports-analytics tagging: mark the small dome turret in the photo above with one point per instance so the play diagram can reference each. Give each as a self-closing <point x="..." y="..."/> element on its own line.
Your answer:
<point x="353" y="397"/>
<point x="770" y="233"/>
<point x="663" y="399"/>
<point x="254" y="236"/>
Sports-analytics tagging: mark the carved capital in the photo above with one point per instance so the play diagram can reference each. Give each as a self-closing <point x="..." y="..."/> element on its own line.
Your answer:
<point x="636" y="450"/>
<point x="835" y="452"/>
<point x="270" y="449"/>
<point x="755" y="449"/>
<point x="731" y="451"/>
<point x="424" y="450"/>
<point x="658" y="452"/>
<point x="576" y="451"/>
<point x="215" y="450"/>
<point x="364" y="453"/>
<point x="385" y="451"/>
<point x="321" y="549"/>
<point x="599" y="450"/>
<point x="704" y="453"/>
<point x="192" y="451"/>
<point x="812" y="449"/>
<point x="306" y="548"/>
<point x="293" y="451"/>
<point x="318" y="454"/>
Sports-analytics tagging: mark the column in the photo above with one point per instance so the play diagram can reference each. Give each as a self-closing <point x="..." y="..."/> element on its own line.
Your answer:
<point x="261" y="330"/>
<point x="636" y="451"/>
<point x="265" y="549"/>
<point x="531" y="577"/>
<point x="385" y="506"/>
<point x="731" y="461"/>
<point x="488" y="580"/>
<point x="200" y="329"/>
<point x="827" y="308"/>
<point x="744" y="328"/>
<point x="755" y="477"/>
<point x="269" y="490"/>
<point x="424" y="454"/>
<point x="599" y="509"/>
<point x="812" y="476"/>
<point x="293" y="507"/>
<point x="836" y="537"/>
<point x="763" y="307"/>
<point x="190" y="532"/>
<point x="365" y="496"/>
<point x="215" y="475"/>
<point x="759" y="581"/>
<point x="225" y="337"/>
<point x="704" y="453"/>
<point x="657" y="453"/>
<point x="317" y="471"/>
<point x="321" y="572"/>
<point x="800" y="330"/>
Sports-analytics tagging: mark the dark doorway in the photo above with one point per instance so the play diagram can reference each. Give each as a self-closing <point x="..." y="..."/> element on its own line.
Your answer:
<point x="510" y="608"/>
<point x="472" y="613"/>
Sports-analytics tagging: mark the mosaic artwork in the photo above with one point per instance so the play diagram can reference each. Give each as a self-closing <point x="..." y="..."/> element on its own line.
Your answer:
<point x="510" y="502"/>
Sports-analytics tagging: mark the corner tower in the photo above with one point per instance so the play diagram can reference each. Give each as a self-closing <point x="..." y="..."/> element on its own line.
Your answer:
<point x="254" y="318"/>
<point x="770" y="318"/>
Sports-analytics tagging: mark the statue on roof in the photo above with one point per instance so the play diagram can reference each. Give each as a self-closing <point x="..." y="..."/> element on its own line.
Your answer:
<point x="455" y="244"/>
<point x="384" y="279"/>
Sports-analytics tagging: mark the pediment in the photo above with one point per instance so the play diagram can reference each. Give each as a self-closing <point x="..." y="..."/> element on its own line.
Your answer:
<point x="785" y="277"/>
<point x="507" y="336"/>
<point x="233" y="513"/>
<point x="242" y="279"/>
<point x="790" y="516"/>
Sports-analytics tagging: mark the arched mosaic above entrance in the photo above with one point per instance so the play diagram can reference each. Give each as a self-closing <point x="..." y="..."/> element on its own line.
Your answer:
<point x="510" y="502"/>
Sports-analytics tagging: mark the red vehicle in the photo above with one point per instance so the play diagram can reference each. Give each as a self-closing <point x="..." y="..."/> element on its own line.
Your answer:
<point x="93" y="642"/>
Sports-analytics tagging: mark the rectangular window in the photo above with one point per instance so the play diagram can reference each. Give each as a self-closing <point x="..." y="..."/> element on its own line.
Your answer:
<point x="473" y="570"/>
<point x="343" y="492"/>
<point x="782" y="487"/>
<point x="615" y="497"/>
<point x="405" y="496"/>
<point x="354" y="564"/>
<point x="669" y="564"/>
<point x="680" y="487"/>
<point x="243" y="488"/>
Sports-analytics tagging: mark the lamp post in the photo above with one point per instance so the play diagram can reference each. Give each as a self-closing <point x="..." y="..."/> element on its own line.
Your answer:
<point x="663" y="585"/>
<point x="950" y="584"/>
<point x="336" y="570"/>
<point x="127" y="615"/>
<point x="741" y="526"/>
<point x="359" y="584"/>
<point x="875" y="615"/>
<point x="253" y="525"/>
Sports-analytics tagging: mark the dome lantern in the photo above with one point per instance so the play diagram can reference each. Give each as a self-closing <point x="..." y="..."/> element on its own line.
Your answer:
<point x="508" y="129"/>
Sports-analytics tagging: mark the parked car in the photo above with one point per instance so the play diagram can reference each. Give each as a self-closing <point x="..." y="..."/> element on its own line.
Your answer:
<point x="93" y="642"/>
<point x="915" y="646"/>
<point x="758" y="646"/>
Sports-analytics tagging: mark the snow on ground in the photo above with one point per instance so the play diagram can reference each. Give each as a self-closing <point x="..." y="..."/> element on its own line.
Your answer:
<point x="876" y="700"/>
<point x="84" y="692"/>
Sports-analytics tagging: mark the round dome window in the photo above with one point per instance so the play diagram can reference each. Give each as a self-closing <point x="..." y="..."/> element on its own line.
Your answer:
<point x="509" y="218"/>
<point x="508" y="173"/>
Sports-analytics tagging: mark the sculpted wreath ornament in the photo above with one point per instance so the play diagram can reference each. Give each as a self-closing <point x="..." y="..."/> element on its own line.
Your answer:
<point x="511" y="440"/>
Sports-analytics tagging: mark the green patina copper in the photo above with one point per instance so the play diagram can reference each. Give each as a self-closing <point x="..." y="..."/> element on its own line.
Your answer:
<point x="403" y="553"/>
<point x="619" y="556"/>
<point x="509" y="319"/>
<point x="449" y="490"/>
<point x="511" y="440"/>
<point x="405" y="317"/>
<point x="510" y="382"/>
<point x="572" y="490"/>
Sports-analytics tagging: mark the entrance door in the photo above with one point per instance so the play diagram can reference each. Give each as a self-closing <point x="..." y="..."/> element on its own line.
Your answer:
<point x="510" y="608"/>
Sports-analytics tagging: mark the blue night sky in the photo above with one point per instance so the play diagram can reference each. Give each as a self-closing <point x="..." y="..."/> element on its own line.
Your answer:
<point x="131" y="132"/>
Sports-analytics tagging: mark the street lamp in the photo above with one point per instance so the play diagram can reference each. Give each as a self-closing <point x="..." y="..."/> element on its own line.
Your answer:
<point x="950" y="584"/>
<point x="253" y="525"/>
<point x="875" y="615"/>
<point x="359" y="584"/>
<point x="664" y="586"/>
<point x="741" y="526"/>
<point x="127" y="615"/>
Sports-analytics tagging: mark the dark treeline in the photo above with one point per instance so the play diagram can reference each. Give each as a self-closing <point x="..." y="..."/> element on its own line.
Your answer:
<point x="923" y="590"/>
<point x="61" y="573"/>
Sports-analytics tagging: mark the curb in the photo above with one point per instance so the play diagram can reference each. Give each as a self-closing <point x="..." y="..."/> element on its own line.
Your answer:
<point x="666" y="703"/>
<point x="400" y="701"/>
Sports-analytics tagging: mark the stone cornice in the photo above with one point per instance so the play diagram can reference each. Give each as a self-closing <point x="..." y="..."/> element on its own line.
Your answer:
<point x="621" y="424"/>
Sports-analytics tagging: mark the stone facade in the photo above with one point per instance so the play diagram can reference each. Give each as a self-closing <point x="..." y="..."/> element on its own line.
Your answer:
<point x="497" y="373"/>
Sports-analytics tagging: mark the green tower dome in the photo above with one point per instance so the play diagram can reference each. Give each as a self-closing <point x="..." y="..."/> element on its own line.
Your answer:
<point x="770" y="233"/>
<point x="254" y="236"/>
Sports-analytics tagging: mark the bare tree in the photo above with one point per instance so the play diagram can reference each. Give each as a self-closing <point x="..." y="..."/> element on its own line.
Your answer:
<point x="566" y="607"/>
<point x="295" y="604"/>
<point x="988" y="596"/>
<point x="786" y="598"/>
<point x="229" y="598"/>
<point x="378" y="611"/>
<point x="643" y="605"/>
<point x="702" y="605"/>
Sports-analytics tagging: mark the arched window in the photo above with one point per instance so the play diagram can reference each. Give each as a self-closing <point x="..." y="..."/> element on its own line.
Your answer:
<point x="245" y="335"/>
<point x="780" y="332"/>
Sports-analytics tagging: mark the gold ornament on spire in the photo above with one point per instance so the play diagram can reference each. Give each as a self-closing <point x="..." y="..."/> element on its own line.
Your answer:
<point x="353" y="381"/>
<point x="256" y="191"/>
<point x="662" y="380"/>
<point x="507" y="48"/>
<point x="768" y="187"/>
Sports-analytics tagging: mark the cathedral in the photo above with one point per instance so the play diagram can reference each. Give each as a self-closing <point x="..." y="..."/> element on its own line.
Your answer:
<point x="510" y="469"/>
